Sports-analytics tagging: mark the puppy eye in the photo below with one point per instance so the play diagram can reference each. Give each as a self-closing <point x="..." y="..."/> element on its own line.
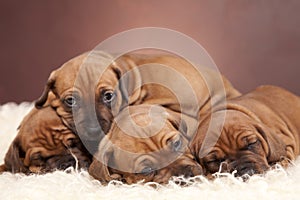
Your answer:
<point x="108" y="96"/>
<point x="252" y="145"/>
<point x="215" y="162"/>
<point x="212" y="161"/>
<point x="147" y="171"/>
<point x="71" y="101"/>
<point x="177" y="145"/>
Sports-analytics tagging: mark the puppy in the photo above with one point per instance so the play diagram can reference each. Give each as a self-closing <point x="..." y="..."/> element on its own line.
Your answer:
<point x="94" y="87"/>
<point x="144" y="144"/>
<point x="165" y="80"/>
<point x="73" y="86"/>
<point x="43" y="144"/>
<point x="260" y="129"/>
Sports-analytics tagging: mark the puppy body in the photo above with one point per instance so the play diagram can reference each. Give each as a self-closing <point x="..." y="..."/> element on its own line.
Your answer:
<point x="44" y="143"/>
<point x="145" y="145"/>
<point x="165" y="80"/>
<point x="94" y="87"/>
<point x="260" y="128"/>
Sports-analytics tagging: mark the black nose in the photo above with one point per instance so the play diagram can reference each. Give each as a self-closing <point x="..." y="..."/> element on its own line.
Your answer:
<point x="66" y="164"/>
<point x="60" y="162"/>
<point x="244" y="167"/>
<point x="94" y="131"/>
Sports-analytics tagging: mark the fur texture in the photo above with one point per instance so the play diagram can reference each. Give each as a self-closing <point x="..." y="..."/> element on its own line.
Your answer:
<point x="276" y="184"/>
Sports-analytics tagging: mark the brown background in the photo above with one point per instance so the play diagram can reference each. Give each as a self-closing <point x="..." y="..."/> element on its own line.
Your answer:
<point x="253" y="42"/>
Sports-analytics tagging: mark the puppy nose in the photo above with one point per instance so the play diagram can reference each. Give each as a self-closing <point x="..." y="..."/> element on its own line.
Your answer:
<point x="94" y="131"/>
<point x="243" y="168"/>
<point x="65" y="162"/>
<point x="65" y="165"/>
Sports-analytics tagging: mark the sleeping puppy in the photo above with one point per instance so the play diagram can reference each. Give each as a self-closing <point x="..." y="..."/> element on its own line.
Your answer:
<point x="260" y="129"/>
<point x="144" y="144"/>
<point x="44" y="144"/>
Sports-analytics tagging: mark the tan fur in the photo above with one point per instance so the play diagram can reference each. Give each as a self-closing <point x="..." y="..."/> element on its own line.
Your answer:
<point x="261" y="128"/>
<point x="177" y="85"/>
<point x="44" y="143"/>
<point x="88" y="76"/>
<point x="128" y="148"/>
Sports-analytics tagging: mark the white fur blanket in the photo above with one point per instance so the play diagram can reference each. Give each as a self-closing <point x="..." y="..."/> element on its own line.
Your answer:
<point x="276" y="184"/>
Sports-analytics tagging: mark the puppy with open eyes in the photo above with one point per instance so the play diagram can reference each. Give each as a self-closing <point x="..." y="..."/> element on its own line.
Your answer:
<point x="44" y="144"/>
<point x="260" y="128"/>
<point x="144" y="144"/>
<point x="94" y="87"/>
<point x="159" y="79"/>
<point x="73" y="86"/>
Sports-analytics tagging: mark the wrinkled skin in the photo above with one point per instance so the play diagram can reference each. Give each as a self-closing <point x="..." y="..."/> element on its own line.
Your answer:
<point x="44" y="144"/>
<point x="260" y="129"/>
<point x="92" y="88"/>
<point x="142" y="154"/>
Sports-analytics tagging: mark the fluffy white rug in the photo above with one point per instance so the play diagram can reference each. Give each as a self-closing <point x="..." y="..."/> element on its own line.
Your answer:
<point x="276" y="184"/>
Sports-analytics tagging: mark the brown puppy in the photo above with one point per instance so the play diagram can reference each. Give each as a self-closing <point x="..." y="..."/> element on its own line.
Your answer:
<point x="164" y="80"/>
<point x="94" y="87"/>
<point x="260" y="128"/>
<point x="144" y="143"/>
<point x="73" y="85"/>
<point x="43" y="144"/>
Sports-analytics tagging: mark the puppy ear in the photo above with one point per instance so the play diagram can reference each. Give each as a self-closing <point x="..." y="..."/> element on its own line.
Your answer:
<point x="183" y="123"/>
<point x="276" y="147"/>
<point x="40" y="102"/>
<point x="13" y="161"/>
<point x="178" y="122"/>
<point x="130" y="80"/>
<point x="2" y="168"/>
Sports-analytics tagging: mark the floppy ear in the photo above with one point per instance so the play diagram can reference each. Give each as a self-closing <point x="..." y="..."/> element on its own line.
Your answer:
<point x="40" y="102"/>
<point x="2" y="168"/>
<point x="13" y="161"/>
<point x="178" y="122"/>
<point x="277" y="148"/>
<point x="130" y="80"/>
<point x="185" y="124"/>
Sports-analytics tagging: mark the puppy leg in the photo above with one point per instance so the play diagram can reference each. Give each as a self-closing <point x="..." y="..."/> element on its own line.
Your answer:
<point x="287" y="160"/>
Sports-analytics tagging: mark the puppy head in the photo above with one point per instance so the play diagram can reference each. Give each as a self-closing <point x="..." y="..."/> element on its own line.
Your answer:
<point x="61" y="83"/>
<point x="73" y="85"/>
<point x="139" y="147"/>
<point x="242" y="143"/>
<point x="44" y="144"/>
